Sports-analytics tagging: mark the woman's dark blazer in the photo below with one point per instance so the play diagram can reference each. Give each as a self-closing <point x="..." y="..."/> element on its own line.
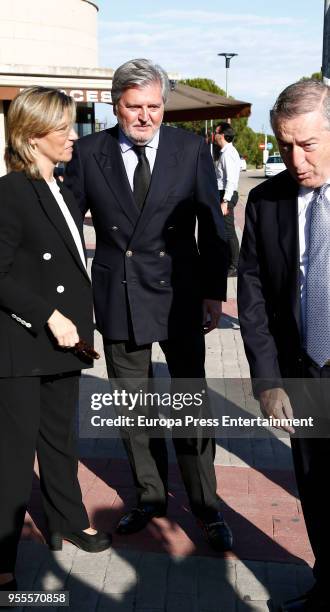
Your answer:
<point x="40" y="271"/>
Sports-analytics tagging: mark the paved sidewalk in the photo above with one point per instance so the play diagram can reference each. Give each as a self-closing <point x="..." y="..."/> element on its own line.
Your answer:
<point x="168" y="567"/>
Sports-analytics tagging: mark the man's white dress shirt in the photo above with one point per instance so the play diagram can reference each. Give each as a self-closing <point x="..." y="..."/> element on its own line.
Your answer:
<point x="227" y="170"/>
<point x="130" y="158"/>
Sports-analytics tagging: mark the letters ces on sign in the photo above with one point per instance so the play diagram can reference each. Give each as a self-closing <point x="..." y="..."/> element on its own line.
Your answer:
<point x="82" y="95"/>
<point x="88" y="95"/>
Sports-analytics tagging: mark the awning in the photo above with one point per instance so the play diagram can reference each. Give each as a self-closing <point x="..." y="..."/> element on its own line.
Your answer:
<point x="187" y="103"/>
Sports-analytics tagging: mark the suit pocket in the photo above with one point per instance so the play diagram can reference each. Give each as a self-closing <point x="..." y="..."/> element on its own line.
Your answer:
<point x="101" y="276"/>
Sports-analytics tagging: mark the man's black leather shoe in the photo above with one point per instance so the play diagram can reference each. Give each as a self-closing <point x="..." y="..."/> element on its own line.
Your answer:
<point x="312" y="601"/>
<point x="138" y="518"/>
<point x="218" y="533"/>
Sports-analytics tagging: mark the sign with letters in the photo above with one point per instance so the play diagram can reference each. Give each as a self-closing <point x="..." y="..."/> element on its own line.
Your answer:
<point x="79" y="95"/>
<point x="89" y="95"/>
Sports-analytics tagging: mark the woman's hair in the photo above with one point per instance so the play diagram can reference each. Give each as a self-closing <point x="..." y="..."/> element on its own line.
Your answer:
<point x="34" y="112"/>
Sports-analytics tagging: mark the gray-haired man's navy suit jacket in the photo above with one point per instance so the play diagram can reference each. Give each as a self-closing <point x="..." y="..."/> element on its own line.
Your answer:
<point x="148" y="263"/>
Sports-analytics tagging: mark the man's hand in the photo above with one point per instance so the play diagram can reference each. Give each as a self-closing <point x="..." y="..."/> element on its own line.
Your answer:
<point x="224" y="208"/>
<point x="276" y="403"/>
<point x="63" y="329"/>
<point x="212" y="310"/>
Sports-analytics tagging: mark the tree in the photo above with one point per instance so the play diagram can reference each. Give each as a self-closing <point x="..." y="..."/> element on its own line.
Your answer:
<point x="317" y="76"/>
<point x="198" y="127"/>
<point x="246" y="140"/>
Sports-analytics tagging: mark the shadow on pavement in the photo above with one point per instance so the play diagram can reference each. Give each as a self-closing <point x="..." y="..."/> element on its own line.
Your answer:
<point x="141" y="573"/>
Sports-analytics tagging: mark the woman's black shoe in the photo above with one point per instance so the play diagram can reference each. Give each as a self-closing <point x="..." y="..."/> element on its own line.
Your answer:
<point x="90" y="543"/>
<point x="9" y="586"/>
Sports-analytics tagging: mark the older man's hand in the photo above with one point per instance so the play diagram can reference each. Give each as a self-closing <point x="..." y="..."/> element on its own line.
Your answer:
<point x="276" y="403"/>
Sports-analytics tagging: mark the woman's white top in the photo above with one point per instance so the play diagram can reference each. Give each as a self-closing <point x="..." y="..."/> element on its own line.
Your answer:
<point x="53" y="186"/>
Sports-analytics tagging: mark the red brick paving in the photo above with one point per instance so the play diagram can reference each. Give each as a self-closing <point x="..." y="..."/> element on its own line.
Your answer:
<point x="230" y="308"/>
<point x="261" y="508"/>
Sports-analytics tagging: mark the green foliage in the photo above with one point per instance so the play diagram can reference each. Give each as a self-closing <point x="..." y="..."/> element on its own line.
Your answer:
<point x="317" y="76"/>
<point x="246" y="140"/>
<point x="205" y="84"/>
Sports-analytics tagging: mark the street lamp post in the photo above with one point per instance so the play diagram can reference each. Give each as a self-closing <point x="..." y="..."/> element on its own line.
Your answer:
<point x="228" y="57"/>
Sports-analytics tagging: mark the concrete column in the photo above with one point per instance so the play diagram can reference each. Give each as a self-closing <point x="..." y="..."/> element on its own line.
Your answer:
<point x="2" y="140"/>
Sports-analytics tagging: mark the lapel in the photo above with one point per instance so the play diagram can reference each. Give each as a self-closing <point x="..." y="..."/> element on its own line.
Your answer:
<point x="166" y="164"/>
<point x="289" y="239"/>
<point x="74" y="210"/>
<point x="112" y="167"/>
<point x="57" y="219"/>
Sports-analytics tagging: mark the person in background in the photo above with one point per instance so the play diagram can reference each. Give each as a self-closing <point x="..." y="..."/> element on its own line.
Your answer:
<point x="227" y="170"/>
<point x="45" y="309"/>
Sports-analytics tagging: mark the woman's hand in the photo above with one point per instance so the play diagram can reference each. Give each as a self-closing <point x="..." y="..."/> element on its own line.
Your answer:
<point x="63" y="329"/>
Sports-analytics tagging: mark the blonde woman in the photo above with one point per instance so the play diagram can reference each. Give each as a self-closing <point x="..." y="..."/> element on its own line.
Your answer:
<point x="45" y="308"/>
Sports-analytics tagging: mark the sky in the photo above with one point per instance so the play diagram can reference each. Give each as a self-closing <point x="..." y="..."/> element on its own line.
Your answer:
<point x="277" y="41"/>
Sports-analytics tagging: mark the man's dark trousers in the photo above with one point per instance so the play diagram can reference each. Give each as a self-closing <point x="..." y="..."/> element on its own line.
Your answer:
<point x="229" y="220"/>
<point x="312" y="458"/>
<point x="147" y="454"/>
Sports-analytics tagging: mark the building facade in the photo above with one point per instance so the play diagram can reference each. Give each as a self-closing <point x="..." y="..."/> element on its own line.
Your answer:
<point x="43" y="42"/>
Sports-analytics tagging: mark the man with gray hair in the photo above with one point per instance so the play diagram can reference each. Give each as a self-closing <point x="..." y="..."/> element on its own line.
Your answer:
<point x="146" y="185"/>
<point x="284" y="303"/>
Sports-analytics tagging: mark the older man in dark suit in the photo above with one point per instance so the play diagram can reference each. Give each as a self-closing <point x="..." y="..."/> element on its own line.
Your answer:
<point x="284" y="302"/>
<point x="146" y="185"/>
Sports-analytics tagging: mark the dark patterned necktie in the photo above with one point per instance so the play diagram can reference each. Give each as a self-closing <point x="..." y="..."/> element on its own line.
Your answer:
<point x="142" y="176"/>
<point x="318" y="280"/>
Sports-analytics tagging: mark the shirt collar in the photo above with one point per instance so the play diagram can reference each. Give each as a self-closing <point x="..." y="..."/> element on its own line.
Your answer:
<point x="126" y="144"/>
<point x="308" y="191"/>
<point x="225" y="147"/>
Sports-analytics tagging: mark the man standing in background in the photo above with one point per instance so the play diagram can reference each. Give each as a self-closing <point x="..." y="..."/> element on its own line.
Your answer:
<point x="227" y="170"/>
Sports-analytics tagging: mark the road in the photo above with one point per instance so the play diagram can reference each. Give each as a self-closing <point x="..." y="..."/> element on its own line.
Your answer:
<point x="248" y="180"/>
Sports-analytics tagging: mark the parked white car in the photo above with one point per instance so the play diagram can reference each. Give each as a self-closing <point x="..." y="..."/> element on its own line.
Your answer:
<point x="243" y="164"/>
<point x="274" y="165"/>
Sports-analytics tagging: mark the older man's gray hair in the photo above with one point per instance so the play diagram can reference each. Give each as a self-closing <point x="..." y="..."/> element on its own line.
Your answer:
<point x="138" y="73"/>
<point x="300" y="98"/>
